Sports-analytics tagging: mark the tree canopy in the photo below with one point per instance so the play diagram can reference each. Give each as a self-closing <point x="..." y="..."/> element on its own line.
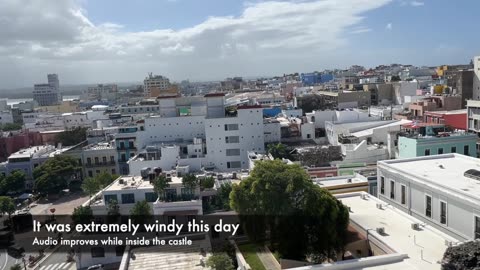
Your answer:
<point x="72" y="137"/>
<point x="207" y="182"/>
<point x="302" y="219"/>
<point x="55" y="174"/>
<point x="7" y="205"/>
<point x="220" y="261"/>
<point x="462" y="257"/>
<point x="92" y="185"/>
<point x="190" y="181"/>
<point x="141" y="212"/>
<point x="82" y="215"/>
<point x="14" y="182"/>
<point x="10" y="126"/>
<point x="160" y="184"/>
<point x="278" y="151"/>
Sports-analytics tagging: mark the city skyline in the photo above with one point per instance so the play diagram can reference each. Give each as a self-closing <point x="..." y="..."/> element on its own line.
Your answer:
<point x="212" y="40"/>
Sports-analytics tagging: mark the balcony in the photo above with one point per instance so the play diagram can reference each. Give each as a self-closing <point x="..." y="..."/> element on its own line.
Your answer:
<point x="100" y="164"/>
<point x="124" y="148"/>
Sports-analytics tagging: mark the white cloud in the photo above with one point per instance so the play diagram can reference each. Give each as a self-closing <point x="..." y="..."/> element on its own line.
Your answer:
<point x="417" y="3"/>
<point x="267" y="38"/>
<point x="389" y="26"/>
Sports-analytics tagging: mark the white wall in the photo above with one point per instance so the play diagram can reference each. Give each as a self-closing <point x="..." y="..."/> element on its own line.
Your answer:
<point x="272" y="132"/>
<point x="6" y="117"/>
<point x="308" y="131"/>
<point x="360" y="153"/>
<point x="250" y="134"/>
<point x="476" y="78"/>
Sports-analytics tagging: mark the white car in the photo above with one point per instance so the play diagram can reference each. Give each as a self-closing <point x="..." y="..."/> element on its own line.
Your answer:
<point x="96" y="267"/>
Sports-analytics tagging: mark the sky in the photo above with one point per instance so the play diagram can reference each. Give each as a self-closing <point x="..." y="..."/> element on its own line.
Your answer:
<point x="101" y="41"/>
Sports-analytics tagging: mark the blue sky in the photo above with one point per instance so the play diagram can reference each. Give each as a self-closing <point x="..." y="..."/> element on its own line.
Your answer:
<point x="90" y="41"/>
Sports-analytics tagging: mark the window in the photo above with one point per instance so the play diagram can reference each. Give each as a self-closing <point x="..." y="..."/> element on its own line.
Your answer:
<point x="440" y="151"/>
<point x="427" y="152"/>
<point x="382" y="185"/>
<point x="90" y="174"/>
<point x="96" y="160"/>
<point x="231" y="127"/>
<point x="428" y="206"/>
<point x="233" y="164"/>
<point x="477" y="227"/>
<point x="128" y="198"/>
<point x="403" y="199"/>
<point x="97" y="252"/>
<point x="109" y="198"/>
<point x="89" y="161"/>
<point x="443" y="212"/>
<point x="130" y="145"/>
<point x="392" y="189"/>
<point x="151" y="196"/>
<point x="232" y="139"/>
<point x="124" y="158"/>
<point x="233" y="152"/>
<point x="112" y="159"/>
<point x="466" y="150"/>
<point x="454" y="149"/>
<point x="104" y="159"/>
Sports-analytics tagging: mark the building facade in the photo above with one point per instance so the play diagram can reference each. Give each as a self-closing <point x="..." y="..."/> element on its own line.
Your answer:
<point x="48" y="94"/>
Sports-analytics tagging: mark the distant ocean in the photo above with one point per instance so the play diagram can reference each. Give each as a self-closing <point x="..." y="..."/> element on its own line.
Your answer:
<point x="12" y="101"/>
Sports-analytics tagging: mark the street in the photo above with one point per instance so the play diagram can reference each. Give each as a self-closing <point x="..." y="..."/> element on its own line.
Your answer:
<point x="7" y="261"/>
<point x="57" y="261"/>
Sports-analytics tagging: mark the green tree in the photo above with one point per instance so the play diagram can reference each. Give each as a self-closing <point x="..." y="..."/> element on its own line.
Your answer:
<point x="10" y="127"/>
<point x="222" y="200"/>
<point x="82" y="215"/>
<point x="91" y="186"/>
<point x="105" y="179"/>
<point x="220" y="261"/>
<point x="16" y="267"/>
<point x="278" y="151"/>
<point x="190" y="181"/>
<point x="7" y="206"/>
<point x="159" y="186"/>
<point x="395" y="78"/>
<point x="72" y="137"/>
<point x="15" y="182"/>
<point x="462" y="257"/>
<point x="207" y="182"/>
<point x="55" y="174"/>
<point x="141" y="212"/>
<point x="280" y="202"/>
<point x="113" y="213"/>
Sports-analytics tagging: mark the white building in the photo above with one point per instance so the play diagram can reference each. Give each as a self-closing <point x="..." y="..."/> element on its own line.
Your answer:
<point x="442" y="191"/>
<point x="49" y="93"/>
<point x="344" y="116"/>
<point x="229" y="139"/>
<point x="473" y="114"/>
<point x="99" y="158"/>
<point x="6" y="117"/>
<point x="128" y="190"/>
<point x="388" y="238"/>
<point x="476" y="78"/>
<point x="272" y="130"/>
<point x="102" y="91"/>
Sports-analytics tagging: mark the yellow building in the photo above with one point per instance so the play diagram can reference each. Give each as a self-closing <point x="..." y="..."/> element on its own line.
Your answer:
<point x="64" y="107"/>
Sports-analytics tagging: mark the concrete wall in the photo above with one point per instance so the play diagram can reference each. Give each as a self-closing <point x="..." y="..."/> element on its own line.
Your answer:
<point x="411" y="147"/>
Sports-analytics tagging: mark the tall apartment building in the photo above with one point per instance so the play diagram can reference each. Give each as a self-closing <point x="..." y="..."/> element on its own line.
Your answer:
<point x="158" y="85"/>
<point x="102" y="91"/>
<point x="47" y="94"/>
<point x="476" y="77"/>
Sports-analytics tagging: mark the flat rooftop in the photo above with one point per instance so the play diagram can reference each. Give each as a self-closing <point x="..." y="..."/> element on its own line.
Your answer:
<point x="33" y="152"/>
<point x="136" y="182"/>
<point x="424" y="247"/>
<point x="188" y="257"/>
<point x="444" y="172"/>
<point x="339" y="181"/>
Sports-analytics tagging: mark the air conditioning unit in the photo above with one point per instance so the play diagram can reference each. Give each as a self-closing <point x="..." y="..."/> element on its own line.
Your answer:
<point x="448" y="243"/>
<point x="380" y="230"/>
<point x="416" y="226"/>
<point x="364" y="196"/>
<point x="380" y="206"/>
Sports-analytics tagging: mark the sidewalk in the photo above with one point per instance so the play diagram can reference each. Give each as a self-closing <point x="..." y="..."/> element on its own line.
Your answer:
<point x="268" y="260"/>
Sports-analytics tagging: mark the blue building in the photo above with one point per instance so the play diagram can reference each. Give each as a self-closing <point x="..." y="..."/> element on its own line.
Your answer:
<point x="125" y="142"/>
<point x="309" y="79"/>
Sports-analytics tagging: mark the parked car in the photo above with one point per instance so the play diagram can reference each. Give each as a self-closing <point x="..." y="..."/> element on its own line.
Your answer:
<point x="96" y="267"/>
